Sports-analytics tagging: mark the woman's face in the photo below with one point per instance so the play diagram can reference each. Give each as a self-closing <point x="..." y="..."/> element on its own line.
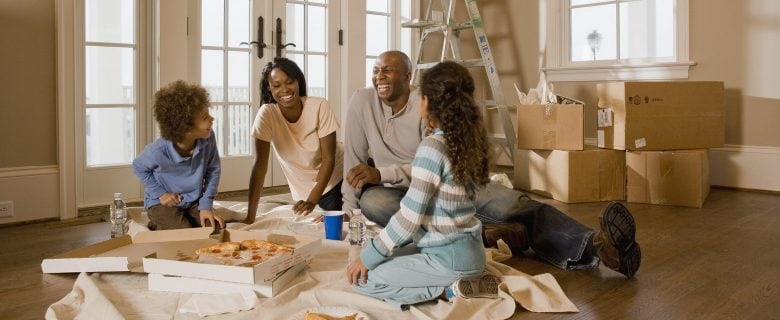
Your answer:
<point x="284" y="88"/>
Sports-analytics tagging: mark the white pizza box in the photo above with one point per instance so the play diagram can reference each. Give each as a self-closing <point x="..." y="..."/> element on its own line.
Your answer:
<point x="179" y="259"/>
<point x="118" y="254"/>
<point x="161" y="282"/>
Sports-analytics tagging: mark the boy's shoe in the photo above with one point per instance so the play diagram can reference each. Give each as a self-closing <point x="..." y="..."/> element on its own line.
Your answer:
<point x="616" y="242"/>
<point x="484" y="286"/>
<point x="514" y="234"/>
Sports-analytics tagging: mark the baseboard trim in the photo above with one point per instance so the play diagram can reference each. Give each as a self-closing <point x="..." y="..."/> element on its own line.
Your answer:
<point x="745" y="167"/>
<point x="14" y="172"/>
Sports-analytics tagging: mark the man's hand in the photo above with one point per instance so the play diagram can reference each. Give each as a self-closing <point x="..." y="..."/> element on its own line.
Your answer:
<point x="363" y="174"/>
<point x="303" y="207"/>
<point x="170" y="199"/>
<point x="357" y="271"/>
<point x="208" y="215"/>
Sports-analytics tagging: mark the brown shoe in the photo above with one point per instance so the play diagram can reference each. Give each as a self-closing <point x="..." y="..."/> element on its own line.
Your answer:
<point x="514" y="234"/>
<point x="616" y="242"/>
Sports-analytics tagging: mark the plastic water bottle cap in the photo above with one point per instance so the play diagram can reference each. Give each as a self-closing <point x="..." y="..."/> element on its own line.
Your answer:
<point x="357" y="212"/>
<point x="118" y="195"/>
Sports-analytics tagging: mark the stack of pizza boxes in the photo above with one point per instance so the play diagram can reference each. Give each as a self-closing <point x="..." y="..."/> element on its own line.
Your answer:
<point x="195" y="261"/>
<point x="551" y="159"/>
<point x="666" y="129"/>
<point x="652" y="141"/>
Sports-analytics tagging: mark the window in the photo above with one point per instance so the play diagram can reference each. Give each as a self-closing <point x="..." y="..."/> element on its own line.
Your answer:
<point x="110" y="82"/>
<point x="225" y="71"/>
<point x="384" y="31"/>
<point x="617" y="40"/>
<point x="307" y="26"/>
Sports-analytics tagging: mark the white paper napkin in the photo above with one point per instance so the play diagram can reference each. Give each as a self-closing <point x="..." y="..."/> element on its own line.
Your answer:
<point x="212" y="304"/>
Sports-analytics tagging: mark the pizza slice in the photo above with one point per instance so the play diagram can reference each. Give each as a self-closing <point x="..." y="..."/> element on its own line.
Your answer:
<point x="321" y="316"/>
<point x="219" y="248"/>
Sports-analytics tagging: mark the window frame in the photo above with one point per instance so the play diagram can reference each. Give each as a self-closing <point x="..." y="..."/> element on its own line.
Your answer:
<point x="559" y="67"/>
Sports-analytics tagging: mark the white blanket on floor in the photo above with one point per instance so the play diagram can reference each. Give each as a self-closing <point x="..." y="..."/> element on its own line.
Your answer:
<point x="323" y="283"/>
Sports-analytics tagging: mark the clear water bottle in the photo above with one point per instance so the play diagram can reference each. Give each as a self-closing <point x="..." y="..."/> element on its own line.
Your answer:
<point x="118" y="216"/>
<point x="357" y="229"/>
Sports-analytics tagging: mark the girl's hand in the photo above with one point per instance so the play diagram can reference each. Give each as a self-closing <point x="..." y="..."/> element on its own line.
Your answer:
<point x="212" y="218"/>
<point x="357" y="271"/>
<point x="303" y="207"/>
<point x="170" y="199"/>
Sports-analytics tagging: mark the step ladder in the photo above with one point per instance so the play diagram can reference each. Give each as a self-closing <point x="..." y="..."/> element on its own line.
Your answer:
<point x="451" y="40"/>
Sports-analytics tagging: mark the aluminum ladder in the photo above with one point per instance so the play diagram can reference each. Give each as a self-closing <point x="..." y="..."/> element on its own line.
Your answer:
<point x="451" y="36"/>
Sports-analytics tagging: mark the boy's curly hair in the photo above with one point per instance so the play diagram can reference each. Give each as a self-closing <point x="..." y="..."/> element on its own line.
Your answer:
<point x="449" y="89"/>
<point x="175" y="106"/>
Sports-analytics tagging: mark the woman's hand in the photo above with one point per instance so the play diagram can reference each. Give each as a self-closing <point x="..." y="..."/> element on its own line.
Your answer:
<point x="170" y="199"/>
<point x="303" y="207"/>
<point x="212" y="218"/>
<point x="357" y="271"/>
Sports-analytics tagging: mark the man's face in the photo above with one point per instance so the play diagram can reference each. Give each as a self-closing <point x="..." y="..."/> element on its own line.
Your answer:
<point x="390" y="77"/>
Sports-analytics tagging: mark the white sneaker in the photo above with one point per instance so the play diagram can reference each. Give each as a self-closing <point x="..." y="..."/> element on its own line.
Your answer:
<point x="484" y="286"/>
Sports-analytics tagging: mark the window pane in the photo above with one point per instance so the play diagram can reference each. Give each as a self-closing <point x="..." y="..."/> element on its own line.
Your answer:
<point x="211" y="73"/>
<point x="239" y="117"/>
<point x="110" y="136"/>
<point x="109" y="21"/>
<point x="581" y="2"/>
<point x="406" y="42"/>
<point x="219" y="120"/>
<point x="295" y="26"/>
<point x="646" y="29"/>
<point x="213" y="22"/>
<point x="406" y="10"/>
<point x="318" y="1"/>
<point x="317" y="26"/>
<point x="238" y="76"/>
<point x="377" y="5"/>
<point x="238" y="22"/>
<point x="298" y="59"/>
<point x="376" y="34"/>
<point x="109" y="75"/>
<point x="315" y="76"/>
<point x="369" y="70"/>
<point x="593" y="34"/>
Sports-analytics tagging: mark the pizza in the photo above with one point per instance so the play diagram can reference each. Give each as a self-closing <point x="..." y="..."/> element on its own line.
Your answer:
<point x="245" y="253"/>
<point x="321" y="316"/>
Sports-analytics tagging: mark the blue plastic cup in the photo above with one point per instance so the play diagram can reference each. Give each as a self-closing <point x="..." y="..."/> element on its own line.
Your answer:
<point x="333" y="224"/>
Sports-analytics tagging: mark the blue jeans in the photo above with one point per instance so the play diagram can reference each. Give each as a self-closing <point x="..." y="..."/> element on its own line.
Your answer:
<point x="553" y="235"/>
<point x="331" y="200"/>
<point x="415" y="274"/>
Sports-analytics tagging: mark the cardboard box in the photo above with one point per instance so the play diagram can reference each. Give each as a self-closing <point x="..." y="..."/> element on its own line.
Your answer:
<point x="550" y="127"/>
<point x="679" y="177"/>
<point x="161" y="282"/>
<point x="178" y="258"/>
<point x="668" y="115"/>
<point x="572" y="176"/>
<point x="119" y="254"/>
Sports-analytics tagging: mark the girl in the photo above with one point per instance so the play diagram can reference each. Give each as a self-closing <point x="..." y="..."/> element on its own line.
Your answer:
<point x="436" y="221"/>
<point x="302" y="131"/>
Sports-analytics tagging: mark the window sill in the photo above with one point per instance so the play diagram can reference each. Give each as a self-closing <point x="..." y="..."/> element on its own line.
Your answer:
<point x="656" y="71"/>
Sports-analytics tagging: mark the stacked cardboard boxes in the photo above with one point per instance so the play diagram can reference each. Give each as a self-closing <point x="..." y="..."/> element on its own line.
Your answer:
<point x="666" y="129"/>
<point x="551" y="160"/>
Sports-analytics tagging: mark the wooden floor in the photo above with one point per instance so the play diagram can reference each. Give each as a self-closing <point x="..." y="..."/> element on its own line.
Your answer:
<point x="719" y="262"/>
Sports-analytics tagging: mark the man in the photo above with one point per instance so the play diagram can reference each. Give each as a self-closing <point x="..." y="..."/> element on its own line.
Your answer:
<point x="382" y="131"/>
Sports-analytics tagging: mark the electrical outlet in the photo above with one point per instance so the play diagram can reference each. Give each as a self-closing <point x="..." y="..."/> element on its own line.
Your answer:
<point x="437" y="16"/>
<point x="6" y="209"/>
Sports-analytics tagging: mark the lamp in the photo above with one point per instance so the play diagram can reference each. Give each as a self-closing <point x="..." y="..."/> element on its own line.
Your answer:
<point x="594" y="41"/>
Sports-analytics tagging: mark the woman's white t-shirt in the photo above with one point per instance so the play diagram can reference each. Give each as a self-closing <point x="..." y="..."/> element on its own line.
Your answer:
<point x="297" y="145"/>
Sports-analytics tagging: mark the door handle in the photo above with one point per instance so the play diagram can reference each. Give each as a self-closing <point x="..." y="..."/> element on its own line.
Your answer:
<point x="260" y="43"/>
<point x="279" y="45"/>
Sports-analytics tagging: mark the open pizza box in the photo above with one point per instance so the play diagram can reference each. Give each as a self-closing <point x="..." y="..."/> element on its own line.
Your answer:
<point x="179" y="259"/>
<point x="161" y="282"/>
<point x="120" y="254"/>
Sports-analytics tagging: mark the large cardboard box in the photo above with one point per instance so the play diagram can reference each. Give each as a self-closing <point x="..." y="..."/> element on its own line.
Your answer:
<point x="678" y="177"/>
<point x="119" y="254"/>
<point x="668" y="115"/>
<point x="550" y="126"/>
<point x="572" y="176"/>
<point x="178" y="258"/>
<point x="270" y="288"/>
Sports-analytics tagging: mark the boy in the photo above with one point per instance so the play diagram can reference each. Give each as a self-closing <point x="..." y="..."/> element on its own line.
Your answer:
<point x="180" y="171"/>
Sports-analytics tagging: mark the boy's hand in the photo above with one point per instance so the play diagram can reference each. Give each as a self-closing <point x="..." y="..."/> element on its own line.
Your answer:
<point x="170" y="199"/>
<point x="212" y="218"/>
<point x="357" y="271"/>
<point x="303" y="207"/>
